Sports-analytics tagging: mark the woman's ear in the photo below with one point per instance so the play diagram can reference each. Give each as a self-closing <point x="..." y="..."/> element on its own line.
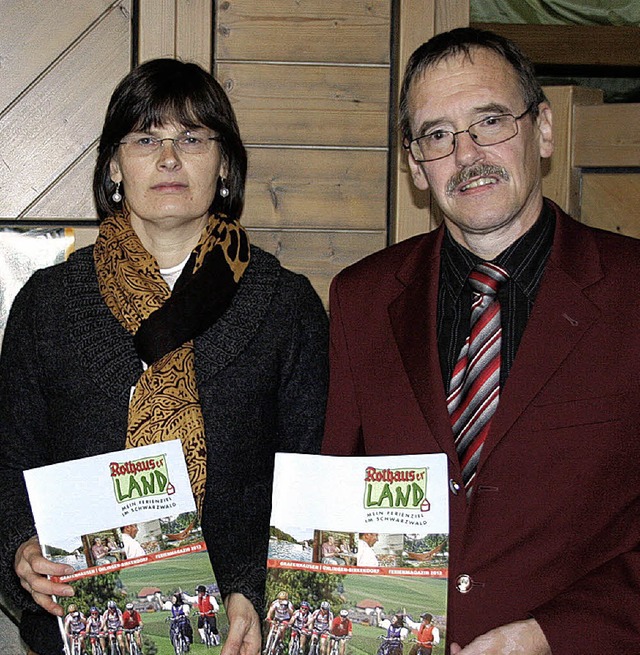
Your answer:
<point x="114" y="169"/>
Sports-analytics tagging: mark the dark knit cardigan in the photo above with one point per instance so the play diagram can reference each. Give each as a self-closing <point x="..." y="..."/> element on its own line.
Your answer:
<point x="66" y="371"/>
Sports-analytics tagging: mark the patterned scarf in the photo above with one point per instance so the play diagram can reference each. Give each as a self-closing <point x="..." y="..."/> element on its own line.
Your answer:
<point x="165" y="404"/>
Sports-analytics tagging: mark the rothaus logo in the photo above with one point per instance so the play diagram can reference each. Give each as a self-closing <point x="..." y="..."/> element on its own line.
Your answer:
<point x="140" y="478"/>
<point x="403" y="488"/>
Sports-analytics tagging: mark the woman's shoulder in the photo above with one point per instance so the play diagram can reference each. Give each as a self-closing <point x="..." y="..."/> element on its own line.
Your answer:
<point x="265" y="270"/>
<point x="52" y="281"/>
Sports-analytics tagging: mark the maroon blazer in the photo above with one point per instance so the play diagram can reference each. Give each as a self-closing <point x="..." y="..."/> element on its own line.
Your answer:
<point x="553" y="528"/>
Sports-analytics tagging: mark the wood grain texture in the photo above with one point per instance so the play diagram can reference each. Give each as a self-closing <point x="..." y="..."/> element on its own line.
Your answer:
<point x="574" y="45"/>
<point x="340" y="189"/>
<point x="34" y="35"/>
<point x="561" y="180"/>
<point x="299" y="30"/>
<point x="451" y="14"/>
<point x="194" y="27"/>
<point x="410" y="209"/>
<point x="58" y="118"/>
<point x="157" y="29"/>
<point x="611" y="201"/>
<point x="318" y="255"/>
<point x="70" y="197"/>
<point x="308" y="105"/>
<point x="607" y="135"/>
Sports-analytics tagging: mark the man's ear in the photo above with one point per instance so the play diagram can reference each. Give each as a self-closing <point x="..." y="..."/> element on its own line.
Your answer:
<point x="545" y="130"/>
<point x="417" y="173"/>
<point x="114" y="170"/>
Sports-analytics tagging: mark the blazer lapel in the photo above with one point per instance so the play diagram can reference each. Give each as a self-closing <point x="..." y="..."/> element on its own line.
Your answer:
<point x="562" y="314"/>
<point x="413" y="316"/>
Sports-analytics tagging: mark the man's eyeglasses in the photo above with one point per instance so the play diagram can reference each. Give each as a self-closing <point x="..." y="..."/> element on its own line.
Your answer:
<point x="188" y="143"/>
<point x="488" y="131"/>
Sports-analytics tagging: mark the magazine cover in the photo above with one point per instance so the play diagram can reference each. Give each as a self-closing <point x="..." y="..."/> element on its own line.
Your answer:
<point x="127" y="523"/>
<point x="358" y="555"/>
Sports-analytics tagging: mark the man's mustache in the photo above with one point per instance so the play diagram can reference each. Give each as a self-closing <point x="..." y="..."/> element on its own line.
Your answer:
<point x="480" y="170"/>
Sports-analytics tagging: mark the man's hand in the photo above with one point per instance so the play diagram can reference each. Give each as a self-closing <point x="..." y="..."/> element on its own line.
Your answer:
<point x="244" y="627"/>
<point x="519" y="638"/>
<point x="32" y="568"/>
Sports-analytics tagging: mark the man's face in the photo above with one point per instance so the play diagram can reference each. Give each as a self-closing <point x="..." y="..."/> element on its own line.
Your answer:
<point x="371" y="538"/>
<point x="504" y="199"/>
<point x="131" y="530"/>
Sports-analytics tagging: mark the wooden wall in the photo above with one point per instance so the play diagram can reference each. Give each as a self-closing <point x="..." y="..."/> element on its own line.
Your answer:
<point x="310" y="85"/>
<point x="58" y="69"/>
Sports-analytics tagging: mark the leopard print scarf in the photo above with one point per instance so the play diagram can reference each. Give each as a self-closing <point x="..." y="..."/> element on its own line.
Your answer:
<point x="165" y="404"/>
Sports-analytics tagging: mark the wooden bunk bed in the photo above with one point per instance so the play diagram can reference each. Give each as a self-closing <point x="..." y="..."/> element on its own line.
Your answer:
<point x="595" y="171"/>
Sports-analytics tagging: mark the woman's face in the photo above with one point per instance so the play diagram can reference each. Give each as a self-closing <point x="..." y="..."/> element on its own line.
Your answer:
<point x="168" y="188"/>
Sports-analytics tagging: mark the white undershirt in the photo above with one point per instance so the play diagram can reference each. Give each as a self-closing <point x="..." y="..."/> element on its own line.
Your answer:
<point x="171" y="275"/>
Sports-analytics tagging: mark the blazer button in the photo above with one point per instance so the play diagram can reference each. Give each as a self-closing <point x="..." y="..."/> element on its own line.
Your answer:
<point x="464" y="583"/>
<point x="454" y="486"/>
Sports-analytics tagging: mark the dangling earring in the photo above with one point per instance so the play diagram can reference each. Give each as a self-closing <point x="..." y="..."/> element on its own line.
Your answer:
<point x="117" y="197"/>
<point x="224" y="189"/>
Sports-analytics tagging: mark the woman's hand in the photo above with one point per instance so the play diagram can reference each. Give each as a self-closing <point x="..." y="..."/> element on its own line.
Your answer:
<point x="33" y="568"/>
<point x="244" y="627"/>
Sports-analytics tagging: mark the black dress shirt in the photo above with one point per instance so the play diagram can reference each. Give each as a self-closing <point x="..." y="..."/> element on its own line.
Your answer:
<point x="524" y="260"/>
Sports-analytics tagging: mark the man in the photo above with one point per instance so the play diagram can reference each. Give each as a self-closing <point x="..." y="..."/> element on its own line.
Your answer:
<point x="319" y="625"/>
<point x="94" y="630"/>
<point x="207" y="609"/>
<point x="427" y="635"/>
<point x="342" y="629"/>
<point x="112" y="624"/>
<point x="75" y="627"/>
<point x="366" y="555"/>
<point x="132" y="624"/>
<point x="279" y="614"/>
<point x="544" y="489"/>
<point x="298" y="623"/>
<point x="132" y="548"/>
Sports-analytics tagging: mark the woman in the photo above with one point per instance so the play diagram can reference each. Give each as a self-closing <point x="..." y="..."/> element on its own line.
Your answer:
<point x="171" y="298"/>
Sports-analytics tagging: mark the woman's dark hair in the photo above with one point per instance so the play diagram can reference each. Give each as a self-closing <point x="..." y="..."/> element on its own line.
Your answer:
<point x="161" y="91"/>
<point x="463" y="41"/>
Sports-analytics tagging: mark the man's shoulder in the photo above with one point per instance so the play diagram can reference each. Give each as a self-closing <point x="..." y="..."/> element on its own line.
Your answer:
<point x="605" y="239"/>
<point x="386" y="263"/>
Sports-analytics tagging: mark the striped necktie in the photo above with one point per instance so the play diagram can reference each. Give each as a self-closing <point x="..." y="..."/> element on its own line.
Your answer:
<point x="474" y="390"/>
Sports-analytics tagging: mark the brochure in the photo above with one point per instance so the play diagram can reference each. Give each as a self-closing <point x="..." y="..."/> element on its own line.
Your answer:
<point x="358" y="555"/>
<point x="127" y="523"/>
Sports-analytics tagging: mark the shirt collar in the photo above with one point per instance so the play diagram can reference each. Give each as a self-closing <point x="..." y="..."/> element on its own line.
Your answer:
<point x="523" y="259"/>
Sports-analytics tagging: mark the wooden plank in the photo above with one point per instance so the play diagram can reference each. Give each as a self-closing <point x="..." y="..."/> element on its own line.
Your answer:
<point x="309" y="188"/>
<point x="409" y="207"/>
<point x="318" y="255"/>
<point x="194" y="27"/>
<point x="611" y="201"/>
<point x="574" y="45"/>
<point x="451" y="14"/>
<point x="290" y="30"/>
<point x="60" y="116"/>
<point x="157" y="29"/>
<point x="70" y="197"/>
<point x="308" y="105"/>
<point x="560" y="180"/>
<point x="34" y="34"/>
<point x="607" y="135"/>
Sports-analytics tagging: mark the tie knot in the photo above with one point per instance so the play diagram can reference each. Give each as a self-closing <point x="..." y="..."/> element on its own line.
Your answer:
<point x="486" y="278"/>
